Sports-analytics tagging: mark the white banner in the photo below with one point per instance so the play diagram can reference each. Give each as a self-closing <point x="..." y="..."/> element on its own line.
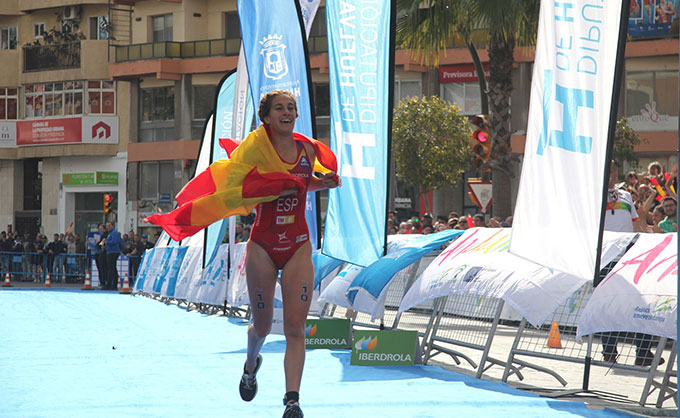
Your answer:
<point x="640" y="293"/>
<point x="213" y="289"/>
<point x="237" y="288"/>
<point x="479" y="263"/>
<point x="192" y="262"/>
<point x="560" y="192"/>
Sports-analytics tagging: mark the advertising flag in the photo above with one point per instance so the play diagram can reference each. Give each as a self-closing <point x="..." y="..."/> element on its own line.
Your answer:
<point x="233" y="111"/>
<point x="570" y="116"/>
<point x="360" y="77"/>
<point x="274" y="46"/>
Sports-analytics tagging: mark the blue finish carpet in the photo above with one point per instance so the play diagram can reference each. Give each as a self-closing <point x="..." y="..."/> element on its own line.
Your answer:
<point x="100" y="354"/>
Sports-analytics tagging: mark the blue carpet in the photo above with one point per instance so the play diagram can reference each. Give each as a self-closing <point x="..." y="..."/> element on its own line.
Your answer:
<point x="100" y="354"/>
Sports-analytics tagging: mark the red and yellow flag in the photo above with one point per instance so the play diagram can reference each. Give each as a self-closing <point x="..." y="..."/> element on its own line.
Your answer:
<point x="254" y="173"/>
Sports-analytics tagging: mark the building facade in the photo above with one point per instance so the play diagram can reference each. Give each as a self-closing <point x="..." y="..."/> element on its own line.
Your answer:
<point x="111" y="96"/>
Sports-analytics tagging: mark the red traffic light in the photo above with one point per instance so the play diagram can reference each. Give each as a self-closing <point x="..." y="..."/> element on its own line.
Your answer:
<point x="107" y="197"/>
<point x="481" y="135"/>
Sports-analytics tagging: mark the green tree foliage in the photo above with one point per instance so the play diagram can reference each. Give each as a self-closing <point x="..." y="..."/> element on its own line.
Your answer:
<point x="625" y="141"/>
<point x="431" y="142"/>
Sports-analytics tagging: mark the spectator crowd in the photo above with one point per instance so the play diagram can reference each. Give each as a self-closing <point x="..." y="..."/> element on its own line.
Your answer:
<point x="66" y="257"/>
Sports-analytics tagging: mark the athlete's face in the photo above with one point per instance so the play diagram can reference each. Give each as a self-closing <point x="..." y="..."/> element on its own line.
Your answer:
<point x="281" y="115"/>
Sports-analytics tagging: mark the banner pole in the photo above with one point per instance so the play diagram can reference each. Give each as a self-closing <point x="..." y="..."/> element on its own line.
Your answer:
<point x="390" y="109"/>
<point x="613" y="115"/>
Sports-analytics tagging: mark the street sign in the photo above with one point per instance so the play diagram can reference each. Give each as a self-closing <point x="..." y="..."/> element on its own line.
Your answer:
<point x="163" y="197"/>
<point x="480" y="192"/>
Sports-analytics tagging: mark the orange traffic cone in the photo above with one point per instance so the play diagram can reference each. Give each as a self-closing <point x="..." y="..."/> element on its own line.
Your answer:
<point x="7" y="282"/>
<point x="88" y="283"/>
<point x="554" y="340"/>
<point x="48" y="281"/>
<point x="126" y="286"/>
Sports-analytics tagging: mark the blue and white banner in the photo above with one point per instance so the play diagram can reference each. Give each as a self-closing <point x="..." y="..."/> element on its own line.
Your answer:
<point x="359" y="68"/>
<point x="213" y="289"/>
<point x="323" y="266"/>
<point x="233" y="111"/>
<point x="192" y="264"/>
<point x="561" y="187"/>
<point x="169" y="286"/>
<point x="364" y="289"/>
<point x="273" y="44"/>
<point x="143" y="271"/>
<point x="308" y="9"/>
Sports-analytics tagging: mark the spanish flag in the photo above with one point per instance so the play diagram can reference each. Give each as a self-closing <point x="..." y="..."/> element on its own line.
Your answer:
<point x="254" y="173"/>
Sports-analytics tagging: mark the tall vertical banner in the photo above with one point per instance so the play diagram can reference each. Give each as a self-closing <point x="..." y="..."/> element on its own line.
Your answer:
<point x="571" y="113"/>
<point x="360" y="70"/>
<point x="273" y="40"/>
<point x="232" y="112"/>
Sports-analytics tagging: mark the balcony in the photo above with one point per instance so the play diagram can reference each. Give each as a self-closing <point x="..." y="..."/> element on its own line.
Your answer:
<point x="51" y="57"/>
<point x="180" y="50"/>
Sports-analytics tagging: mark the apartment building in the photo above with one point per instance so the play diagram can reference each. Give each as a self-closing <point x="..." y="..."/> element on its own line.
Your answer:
<point x="149" y="69"/>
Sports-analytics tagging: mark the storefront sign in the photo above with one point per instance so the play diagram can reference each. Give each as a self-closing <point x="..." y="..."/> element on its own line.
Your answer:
<point x="77" y="179"/>
<point x="327" y="333"/>
<point x="49" y="131"/>
<point x="86" y="129"/>
<point x="8" y="134"/>
<point x="107" y="177"/>
<point x="464" y="73"/>
<point x="384" y="348"/>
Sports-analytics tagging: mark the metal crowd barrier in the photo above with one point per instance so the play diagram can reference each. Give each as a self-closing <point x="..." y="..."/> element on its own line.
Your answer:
<point x="63" y="268"/>
<point x="534" y="342"/>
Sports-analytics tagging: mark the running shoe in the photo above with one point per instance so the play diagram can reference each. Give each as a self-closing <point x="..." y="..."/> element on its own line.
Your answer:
<point x="248" y="385"/>
<point x="293" y="410"/>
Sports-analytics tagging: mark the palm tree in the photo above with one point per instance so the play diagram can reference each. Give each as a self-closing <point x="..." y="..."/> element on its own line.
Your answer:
<point x="427" y="26"/>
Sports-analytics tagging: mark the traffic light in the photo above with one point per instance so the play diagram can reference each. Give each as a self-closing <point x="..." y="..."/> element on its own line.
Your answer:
<point x="108" y="201"/>
<point x="481" y="143"/>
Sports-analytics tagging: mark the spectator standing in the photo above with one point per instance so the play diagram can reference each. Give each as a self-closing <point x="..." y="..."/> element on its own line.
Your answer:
<point x="80" y="251"/>
<point x="5" y="250"/>
<point x="670" y="209"/>
<point x="28" y="244"/>
<point x="621" y="216"/>
<point x="100" y="258"/>
<point x="55" y="259"/>
<point x="114" y="244"/>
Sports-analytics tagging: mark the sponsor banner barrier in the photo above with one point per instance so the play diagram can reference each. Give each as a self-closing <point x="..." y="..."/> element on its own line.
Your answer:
<point x="327" y="333"/>
<point x="640" y="293"/>
<point x="384" y="348"/>
<point x="479" y="263"/>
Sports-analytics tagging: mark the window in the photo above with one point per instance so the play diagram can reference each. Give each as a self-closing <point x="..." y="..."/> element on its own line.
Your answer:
<point x="8" y="37"/>
<point x="38" y="30"/>
<point x="204" y="101"/>
<point x="232" y="33"/>
<point x="158" y="104"/>
<point x="157" y="114"/>
<point x="162" y="28"/>
<point x="101" y="97"/>
<point x="652" y="100"/>
<point x="156" y="177"/>
<point x="318" y="39"/>
<point x="99" y="27"/>
<point x="406" y="88"/>
<point x="322" y="109"/>
<point x="9" y="103"/>
<point x="66" y="98"/>
<point x="466" y="95"/>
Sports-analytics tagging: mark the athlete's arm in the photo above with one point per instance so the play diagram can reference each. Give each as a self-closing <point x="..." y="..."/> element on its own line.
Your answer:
<point x="321" y="183"/>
